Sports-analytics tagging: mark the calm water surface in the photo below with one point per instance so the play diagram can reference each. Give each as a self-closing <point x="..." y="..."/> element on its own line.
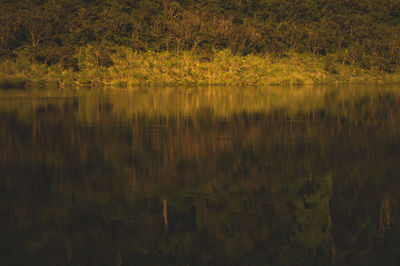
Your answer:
<point x="206" y="176"/>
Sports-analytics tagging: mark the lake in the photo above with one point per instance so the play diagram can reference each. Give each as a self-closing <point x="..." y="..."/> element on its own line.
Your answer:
<point x="200" y="176"/>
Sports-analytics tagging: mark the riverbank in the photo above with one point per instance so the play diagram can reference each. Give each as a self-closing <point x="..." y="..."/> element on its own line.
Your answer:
<point x="124" y="68"/>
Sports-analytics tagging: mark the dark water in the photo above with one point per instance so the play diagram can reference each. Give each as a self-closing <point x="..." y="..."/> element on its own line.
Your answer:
<point x="208" y="176"/>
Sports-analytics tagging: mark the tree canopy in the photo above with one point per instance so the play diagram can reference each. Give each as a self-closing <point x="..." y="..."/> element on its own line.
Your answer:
<point x="364" y="32"/>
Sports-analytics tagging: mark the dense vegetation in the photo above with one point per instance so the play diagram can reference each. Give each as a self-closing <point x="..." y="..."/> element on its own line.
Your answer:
<point x="73" y="34"/>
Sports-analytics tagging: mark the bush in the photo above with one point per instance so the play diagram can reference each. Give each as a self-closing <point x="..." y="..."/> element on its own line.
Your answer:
<point x="330" y="65"/>
<point x="12" y="82"/>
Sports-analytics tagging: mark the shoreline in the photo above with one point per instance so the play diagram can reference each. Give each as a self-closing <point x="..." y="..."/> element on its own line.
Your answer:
<point x="129" y="69"/>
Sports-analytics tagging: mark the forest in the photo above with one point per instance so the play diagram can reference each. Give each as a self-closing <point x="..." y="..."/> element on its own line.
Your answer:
<point x="365" y="33"/>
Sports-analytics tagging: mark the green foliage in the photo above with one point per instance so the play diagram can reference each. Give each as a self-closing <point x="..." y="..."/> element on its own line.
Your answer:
<point x="101" y="63"/>
<point x="330" y="65"/>
<point x="7" y="82"/>
<point x="368" y="30"/>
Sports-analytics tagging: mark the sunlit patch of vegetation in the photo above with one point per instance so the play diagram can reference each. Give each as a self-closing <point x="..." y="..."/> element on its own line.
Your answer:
<point x="122" y="42"/>
<point x="129" y="68"/>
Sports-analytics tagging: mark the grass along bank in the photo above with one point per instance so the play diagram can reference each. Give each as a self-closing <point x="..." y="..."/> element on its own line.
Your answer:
<point x="124" y="67"/>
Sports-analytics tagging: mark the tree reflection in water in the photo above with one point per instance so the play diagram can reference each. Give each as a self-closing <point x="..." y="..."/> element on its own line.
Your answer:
<point x="206" y="176"/>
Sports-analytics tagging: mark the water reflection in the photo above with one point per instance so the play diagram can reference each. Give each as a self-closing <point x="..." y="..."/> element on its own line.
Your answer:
<point x="220" y="176"/>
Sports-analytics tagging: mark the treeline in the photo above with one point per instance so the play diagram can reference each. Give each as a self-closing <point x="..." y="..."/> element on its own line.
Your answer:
<point x="363" y="32"/>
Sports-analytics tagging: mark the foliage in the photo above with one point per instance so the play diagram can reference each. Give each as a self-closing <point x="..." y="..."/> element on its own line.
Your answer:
<point x="122" y="66"/>
<point x="362" y="32"/>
